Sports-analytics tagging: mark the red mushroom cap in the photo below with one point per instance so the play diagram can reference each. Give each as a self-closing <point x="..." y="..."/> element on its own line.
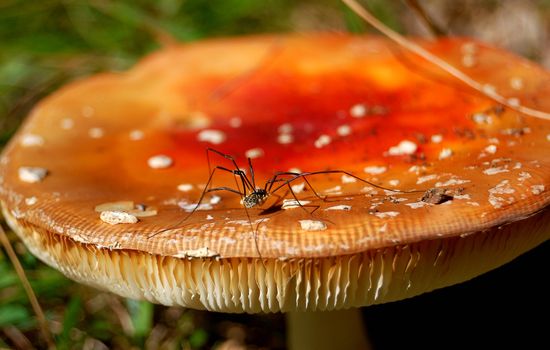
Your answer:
<point x="308" y="102"/>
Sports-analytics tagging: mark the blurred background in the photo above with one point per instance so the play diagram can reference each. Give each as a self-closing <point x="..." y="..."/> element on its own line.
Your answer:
<point x="45" y="44"/>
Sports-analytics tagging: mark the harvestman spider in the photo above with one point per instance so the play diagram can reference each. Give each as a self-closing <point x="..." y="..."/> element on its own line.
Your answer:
<point x="253" y="196"/>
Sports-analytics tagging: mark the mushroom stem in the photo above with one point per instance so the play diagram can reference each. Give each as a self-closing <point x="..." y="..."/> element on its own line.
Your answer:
<point x="341" y="329"/>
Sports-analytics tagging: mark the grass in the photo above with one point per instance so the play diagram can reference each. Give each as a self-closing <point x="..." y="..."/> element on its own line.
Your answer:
<point x="45" y="44"/>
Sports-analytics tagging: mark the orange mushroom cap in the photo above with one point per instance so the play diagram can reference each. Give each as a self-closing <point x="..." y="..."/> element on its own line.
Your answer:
<point x="130" y="149"/>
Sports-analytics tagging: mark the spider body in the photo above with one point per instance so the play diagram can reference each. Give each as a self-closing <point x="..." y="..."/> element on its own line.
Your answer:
<point x="256" y="198"/>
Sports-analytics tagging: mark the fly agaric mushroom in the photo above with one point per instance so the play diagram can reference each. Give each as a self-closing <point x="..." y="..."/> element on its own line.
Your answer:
<point x="97" y="181"/>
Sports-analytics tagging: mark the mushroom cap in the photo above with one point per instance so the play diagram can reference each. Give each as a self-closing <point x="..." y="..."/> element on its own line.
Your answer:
<point x="470" y="178"/>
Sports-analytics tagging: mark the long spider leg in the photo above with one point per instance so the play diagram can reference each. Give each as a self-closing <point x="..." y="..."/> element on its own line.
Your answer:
<point x="295" y="176"/>
<point x="223" y="188"/>
<point x="203" y="193"/>
<point x="360" y="179"/>
<point x="252" y="172"/>
<point x="230" y="158"/>
<point x="269" y="183"/>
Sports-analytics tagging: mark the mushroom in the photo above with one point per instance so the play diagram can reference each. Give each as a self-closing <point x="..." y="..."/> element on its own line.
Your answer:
<point x="457" y="184"/>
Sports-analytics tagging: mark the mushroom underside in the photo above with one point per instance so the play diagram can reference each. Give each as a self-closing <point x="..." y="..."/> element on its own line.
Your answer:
<point x="279" y="285"/>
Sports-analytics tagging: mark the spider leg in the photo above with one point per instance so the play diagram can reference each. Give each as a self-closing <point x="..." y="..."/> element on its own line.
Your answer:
<point x="295" y="177"/>
<point x="244" y="178"/>
<point x="203" y="193"/>
<point x="360" y="179"/>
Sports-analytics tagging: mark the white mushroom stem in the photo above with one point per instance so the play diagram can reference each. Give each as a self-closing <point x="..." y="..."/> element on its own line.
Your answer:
<point x="324" y="330"/>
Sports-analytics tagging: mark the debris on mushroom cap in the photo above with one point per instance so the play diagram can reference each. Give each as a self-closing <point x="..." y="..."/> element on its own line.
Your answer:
<point x="293" y="203"/>
<point x="29" y="140"/>
<point x="160" y="161"/>
<point x="212" y="136"/>
<point x="312" y="225"/>
<point x="453" y="159"/>
<point x="436" y="196"/>
<point x="32" y="174"/>
<point x="117" y="217"/>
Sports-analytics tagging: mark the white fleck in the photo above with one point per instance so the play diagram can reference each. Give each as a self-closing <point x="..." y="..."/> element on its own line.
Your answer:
<point x="136" y="135"/>
<point x="516" y="83"/>
<point x="185" y="187"/>
<point x="312" y="225"/>
<point x="117" y="217"/>
<point x="474" y="204"/>
<point x="254" y="153"/>
<point x="346" y="179"/>
<point x="339" y="207"/>
<point x="437" y="138"/>
<point x="322" y="141"/>
<point x="358" y="111"/>
<point x="482" y="118"/>
<point x="199" y="120"/>
<point x="445" y="153"/>
<point x="537" y="189"/>
<point x="383" y="228"/>
<point x="67" y="123"/>
<point x="495" y="201"/>
<point x="524" y="176"/>
<point x="501" y="188"/>
<point x="451" y="182"/>
<point x="513" y="101"/>
<point x="293" y="203"/>
<point x="31" y="200"/>
<point x="495" y="170"/>
<point x="295" y="170"/>
<point x="417" y="205"/>
<point x="462" y="196"/>
<point x="209" y="217"/>
<point x="548" y="137"/>
<point x="375" y="170"/>
<point x="492" y="149"/>
<point x="235" y="122"/>
<point x="393" y="182"/>
<point x="468" y="48"/>
<point x="517" y="165"/>
<point x="215" y="199"/>
<point x="88" y="111"/>
<point x="285" y="128"/>
<point x="159" y="162"/>
<point x="426" y="178"/>
<point x="468" y="60"/>
<point x="188" y="207"/>
<point x="298" y="187"/>
<point x="334" y="189"/>
<point x="30" y="140"/>
<point x="493" y="140"/>
<point x="343" y="130"/>
<point x="285" y="139"/>
<point x="489" y="89"/>
<point x="404" y="147"/>
<point x="96" y="133"/>
<point x="204" y="252"/>
<point x="32" y="174"/>
<point x="386" y="214"/>
<point x="416" y="169"/>
<point x="213" y="136"/>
